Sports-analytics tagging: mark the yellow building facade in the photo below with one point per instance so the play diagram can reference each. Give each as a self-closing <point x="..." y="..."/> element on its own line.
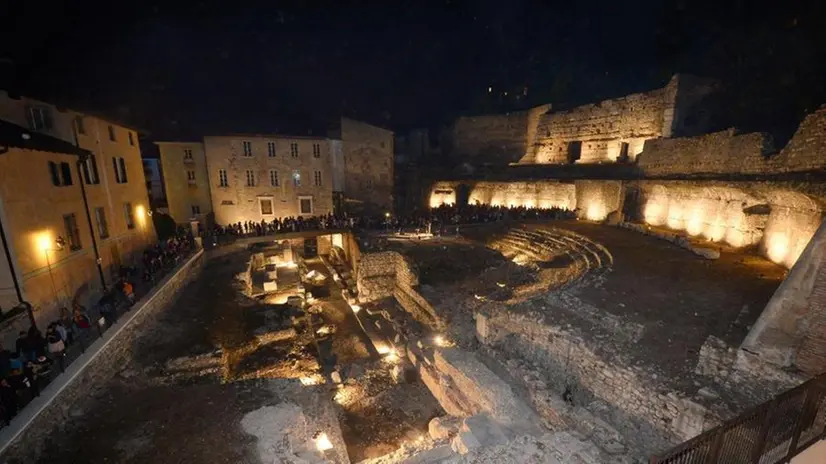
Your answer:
<point x="186" y="181"/>
<point x="51" y="232"/>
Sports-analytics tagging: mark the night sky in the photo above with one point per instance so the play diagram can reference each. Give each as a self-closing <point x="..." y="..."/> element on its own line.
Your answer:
<point x="268" y="66"/>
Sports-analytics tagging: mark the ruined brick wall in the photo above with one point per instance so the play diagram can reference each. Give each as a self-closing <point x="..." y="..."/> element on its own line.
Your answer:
<point x="368" y="165"/>
<point x="718" y="153"/>
<point x="376" y="275"/>
<point x="603" y="127"/>
<point x="495" y="138"/>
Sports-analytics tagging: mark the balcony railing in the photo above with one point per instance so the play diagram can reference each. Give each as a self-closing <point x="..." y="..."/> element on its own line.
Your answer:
<point x="771" y="433"/>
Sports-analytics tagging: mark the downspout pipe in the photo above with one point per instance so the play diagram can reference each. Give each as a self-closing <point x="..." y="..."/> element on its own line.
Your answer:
<point x="81" y="180"/>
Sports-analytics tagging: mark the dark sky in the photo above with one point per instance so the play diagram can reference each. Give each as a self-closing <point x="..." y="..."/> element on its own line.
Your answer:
<point x="260" y="66"/>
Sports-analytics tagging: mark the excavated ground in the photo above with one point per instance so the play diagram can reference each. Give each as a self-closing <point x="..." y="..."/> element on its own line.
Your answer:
<point x="211" y="359"/>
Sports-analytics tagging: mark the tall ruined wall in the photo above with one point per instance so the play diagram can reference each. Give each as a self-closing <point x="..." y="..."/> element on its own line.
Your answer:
<point x="807" y="148"/>
<point x="717" y="153"/>
<point x="602" y="128"/>
<point x="495" y="138"/>
<point x="596" y="199"/>
<point x="541" y="194"/>
<point x="727" y="152"/>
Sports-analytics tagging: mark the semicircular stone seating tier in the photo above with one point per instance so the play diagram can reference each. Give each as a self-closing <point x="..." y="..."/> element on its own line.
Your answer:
<point x="544" y="245"/>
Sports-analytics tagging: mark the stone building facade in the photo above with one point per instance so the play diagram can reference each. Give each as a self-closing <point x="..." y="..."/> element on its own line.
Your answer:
<point x="186" y="180"/>
<point x="64" y="246"/>
<point x="368" y="166"/>
<point x="263" y="177"/>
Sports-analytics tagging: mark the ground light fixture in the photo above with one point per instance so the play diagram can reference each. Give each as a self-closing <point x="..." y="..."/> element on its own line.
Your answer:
<point x="322" y="442"/>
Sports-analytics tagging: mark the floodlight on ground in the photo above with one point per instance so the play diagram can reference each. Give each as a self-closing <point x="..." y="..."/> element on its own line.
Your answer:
<point x="440" y="340"/>
<point x="322" y="442"/>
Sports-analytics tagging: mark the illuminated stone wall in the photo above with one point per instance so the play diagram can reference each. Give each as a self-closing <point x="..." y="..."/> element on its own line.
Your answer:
<point x="596" y="199"/>
<point x="778" y="220"/>
<point x="495" y="138"/>
<point x="717" y="153"/>
<point x="805" y="151"/>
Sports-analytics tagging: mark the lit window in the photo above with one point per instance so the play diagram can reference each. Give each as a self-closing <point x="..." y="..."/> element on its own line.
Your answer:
<point x="222" y="178"/>
<point x="274" y="178"/>
<point x="294" y="150"/>
<point x="297" y="178"/>
<point x="271" y="149"/>
<point x="250" y="178"/>
<point x="247" y="146"/>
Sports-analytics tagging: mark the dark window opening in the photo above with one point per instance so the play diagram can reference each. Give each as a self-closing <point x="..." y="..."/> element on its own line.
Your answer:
<point x="623" y="154"/>
<point x="574" y="151"/>
<point x="72" y="231"/>
<point x="66" y="173"/>
<point x="55" y="173"/>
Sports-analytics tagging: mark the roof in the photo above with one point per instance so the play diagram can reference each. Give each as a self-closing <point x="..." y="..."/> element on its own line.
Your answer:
<point x="270" y="135"/>
<point x="12" y="135"/>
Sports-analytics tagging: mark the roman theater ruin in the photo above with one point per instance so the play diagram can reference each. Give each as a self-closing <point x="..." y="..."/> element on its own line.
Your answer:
<point x="674" y="314"/>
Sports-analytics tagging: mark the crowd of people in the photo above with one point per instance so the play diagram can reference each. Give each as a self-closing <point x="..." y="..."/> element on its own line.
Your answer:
<point x="36" y="356"/>
<point x="431" y="219"/>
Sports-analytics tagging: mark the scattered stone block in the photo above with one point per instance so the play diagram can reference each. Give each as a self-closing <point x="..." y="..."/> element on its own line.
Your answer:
<point x="270" y="286"/>
<point x="464" y="442"/>
<point x="486" y="431"/>
<point x="442" y="428"/>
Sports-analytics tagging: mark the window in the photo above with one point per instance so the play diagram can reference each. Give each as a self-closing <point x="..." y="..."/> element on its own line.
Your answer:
<point x="574" y="151"/>
<point x="72" y="232"/>
<point x="305" y="205"/>
<point x="317" y="178"/>
<point x="190" y="175"/>
<point x="316" y="150"/>
<point x="40" y="118"/>
<point x="54" y="172"/>
<point x="273" y="178"/>
<point x="119" y="165"/>
<point x="81" y="129"/>
<point x="131" y="139"/>
<point x="381" y="144"/>
<point x="112" y="133"/>
<point x="65" y="174"/>
<point x="297" y="178"/>
<point x="187" y="153"/>
<point x="266" y="206"/>
<point x="294" y="150"/>
<point x="196" y="209"/>
<point x="250" y="178"/>
<point x="127" y="213"/>
<point x="100" y="218"/>
<point x="271" y="149"/>
<point x="368" y="183"/>
<point x="247" y="145"/>
<point x="222" y="178"/>
<point x="90" y="171"/>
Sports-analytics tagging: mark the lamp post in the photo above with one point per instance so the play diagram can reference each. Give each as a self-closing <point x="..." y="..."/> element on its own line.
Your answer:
<point x="387" y="223"/>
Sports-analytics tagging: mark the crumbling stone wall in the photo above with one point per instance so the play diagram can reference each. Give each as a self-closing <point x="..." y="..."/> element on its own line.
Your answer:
<point x="717" y="153"/>
<point x="604" y="126"/>
<point x="570" y="362"/>
<point x="376" y="275"/>
<point x="494" y="138"/>
<point x="805" y="151"/>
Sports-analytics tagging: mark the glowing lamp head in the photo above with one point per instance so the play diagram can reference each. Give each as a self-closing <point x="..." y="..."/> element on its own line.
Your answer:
<point x="322" y="442"/>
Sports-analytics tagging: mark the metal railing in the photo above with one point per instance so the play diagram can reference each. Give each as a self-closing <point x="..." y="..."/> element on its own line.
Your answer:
<point x="771" y="433"/>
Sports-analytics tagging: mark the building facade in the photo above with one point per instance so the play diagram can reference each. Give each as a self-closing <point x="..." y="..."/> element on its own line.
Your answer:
<point x="260" y="177"/>
<point x="154" y="184"/>
<point x="368" y="166"/>
<point x="43" y="205"/>
<point x="186" y="181"/>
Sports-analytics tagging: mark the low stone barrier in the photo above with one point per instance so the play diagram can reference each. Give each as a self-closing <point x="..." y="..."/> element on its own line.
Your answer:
<point x="22" y="440"/>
